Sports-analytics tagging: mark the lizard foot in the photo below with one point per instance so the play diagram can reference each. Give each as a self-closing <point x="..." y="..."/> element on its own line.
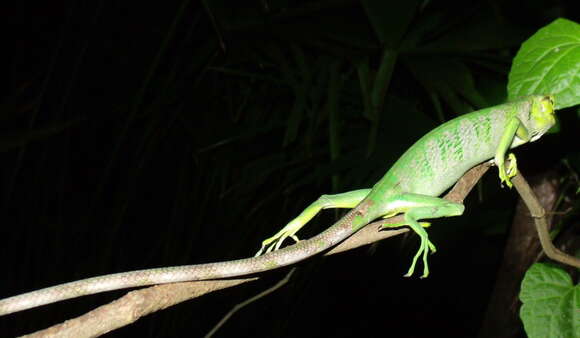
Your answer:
<point x="424" y="248"/>
<point x="505" y="174"/>
<point x="275" y="242"/>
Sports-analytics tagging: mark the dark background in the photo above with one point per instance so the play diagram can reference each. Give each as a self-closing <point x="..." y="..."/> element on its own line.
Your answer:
<point x="145" y="134"/>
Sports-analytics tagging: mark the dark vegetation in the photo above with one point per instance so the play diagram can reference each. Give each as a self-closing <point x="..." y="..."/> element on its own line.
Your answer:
<point x="146" y="134"/>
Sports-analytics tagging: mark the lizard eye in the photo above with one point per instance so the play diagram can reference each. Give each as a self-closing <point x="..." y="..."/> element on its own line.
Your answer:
<point x="551" y="100"/>
<point x="547" y="104"/>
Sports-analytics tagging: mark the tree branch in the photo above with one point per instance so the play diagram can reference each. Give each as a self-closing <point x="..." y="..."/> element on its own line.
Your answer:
<point x="539" y="215"/>
<point x="139" y="303"/>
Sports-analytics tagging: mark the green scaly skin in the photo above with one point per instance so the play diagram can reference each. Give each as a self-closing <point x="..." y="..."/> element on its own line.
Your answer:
<point x="411" y="187"/>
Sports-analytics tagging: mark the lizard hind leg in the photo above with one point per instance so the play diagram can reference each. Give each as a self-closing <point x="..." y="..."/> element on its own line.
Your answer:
<point x="416" y="207"/>
<point x="345" y="200"/>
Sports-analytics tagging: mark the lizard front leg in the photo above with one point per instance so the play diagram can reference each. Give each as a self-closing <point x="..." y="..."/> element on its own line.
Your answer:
<point x="514" y="130"/>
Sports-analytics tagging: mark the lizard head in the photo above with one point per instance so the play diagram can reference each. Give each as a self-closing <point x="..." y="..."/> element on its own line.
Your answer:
<point x="541" y="116"/>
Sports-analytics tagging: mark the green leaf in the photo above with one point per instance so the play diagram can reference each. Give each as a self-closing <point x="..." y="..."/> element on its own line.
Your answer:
<point x="548" y="63"/>
<point x="551" y="304"/>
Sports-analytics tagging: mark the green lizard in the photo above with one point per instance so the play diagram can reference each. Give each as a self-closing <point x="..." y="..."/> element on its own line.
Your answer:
<point x="411" y="187"/>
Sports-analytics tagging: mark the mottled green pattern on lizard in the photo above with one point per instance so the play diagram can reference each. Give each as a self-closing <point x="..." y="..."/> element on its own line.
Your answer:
<point x="411" y="187"/>
<point x="443" y="155"/>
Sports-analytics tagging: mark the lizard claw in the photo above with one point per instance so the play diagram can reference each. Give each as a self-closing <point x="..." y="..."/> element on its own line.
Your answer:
<point x="505" y="174"/>
<point x="275" y="242"/>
